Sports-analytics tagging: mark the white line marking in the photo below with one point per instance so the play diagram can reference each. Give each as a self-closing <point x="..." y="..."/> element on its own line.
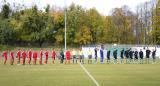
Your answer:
<point x="94" y="80"/>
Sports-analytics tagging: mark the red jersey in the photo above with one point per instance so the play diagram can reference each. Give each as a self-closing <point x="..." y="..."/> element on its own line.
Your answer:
<point x="12" y="55"/>
<point x="19" y="54"/>
<point x="53" y="54"/>
<point x="68" y="55"/>
<point x="35" y="55"/>
<point x="30" y="54"/>
<point x="46" y="53"/>
<point x="5" y="54"/>
<point x="24" y="55"/>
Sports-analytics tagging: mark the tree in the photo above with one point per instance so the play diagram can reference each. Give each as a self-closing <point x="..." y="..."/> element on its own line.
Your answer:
<point x="58" y="25"/>
<point x="156" y="24"/>
<point x="122" y="20"/>
<point x="94" y="22"/>
<point x="5" y="13"/>
<point x="7" y="34"/>
<point x="36" y="26"/>
<point x="83" y="36"/>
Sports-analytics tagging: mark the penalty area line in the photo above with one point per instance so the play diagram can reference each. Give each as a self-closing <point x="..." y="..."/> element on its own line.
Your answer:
<point x="86" y="71"/>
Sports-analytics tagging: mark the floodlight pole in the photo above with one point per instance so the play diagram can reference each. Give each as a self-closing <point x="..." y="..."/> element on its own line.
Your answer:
<point x="65" y="16"/>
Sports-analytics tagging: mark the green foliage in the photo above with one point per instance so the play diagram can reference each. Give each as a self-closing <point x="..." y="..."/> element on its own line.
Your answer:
<point x="83" y="36"/>
<point x="5" y="11"/>
<point x="7" y="34"/>
<point x="156" y="25"/>
<point x="31" y="26"/>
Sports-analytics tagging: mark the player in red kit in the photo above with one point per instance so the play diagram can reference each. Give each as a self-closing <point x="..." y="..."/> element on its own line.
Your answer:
<point x="11" y="57"/>
<point x="46" y="58"/>
<point x="35" y="54"/>
<point x="29" y="56"/>
<point x="24" y="55"/>
<point x="5" y="56"/>
<point x="53" y="56"/>
<point x="40" y="58"/>
<point x="68" y="55"/>
<point x="18" y="56"/>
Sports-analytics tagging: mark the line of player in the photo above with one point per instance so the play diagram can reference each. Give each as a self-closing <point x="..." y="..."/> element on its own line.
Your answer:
<point x="30" y="55"/>
<point x="126" y="56"/>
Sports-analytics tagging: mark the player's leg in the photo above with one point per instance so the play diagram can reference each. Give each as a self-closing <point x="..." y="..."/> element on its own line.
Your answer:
<point x="80" y="58"/>
<point x="5" y="60"/>
<point x="115" y="61"/>
<point x="53" y="60"/>
<point x="90" y="59"/>
<point x="45" y="60"/>
<point x="101" y="60"/>
<point x="69" y="60"/>
<point x="18" y="60"/>
<point x="24" y="61"/>
<point x="34" y="61"/>
<point x="11" y="61"/>
<point x="76" y="58"/>
<point x="154" y="60"/>
<point x="73" y="59"/>
<point x="66" y="60"/>
<point x="121" y="60"/>
<point x="95" y="58"/>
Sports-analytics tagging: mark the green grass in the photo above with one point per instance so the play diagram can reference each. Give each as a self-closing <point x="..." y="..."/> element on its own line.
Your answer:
<point x="73" y="75"/>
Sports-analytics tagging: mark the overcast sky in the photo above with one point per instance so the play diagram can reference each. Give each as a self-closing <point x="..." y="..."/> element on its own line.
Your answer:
<point x="103" y="6"/>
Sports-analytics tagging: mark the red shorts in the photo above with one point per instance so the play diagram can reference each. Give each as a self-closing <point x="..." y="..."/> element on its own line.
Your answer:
<point x="40" y="58"/>
<point x="67" y="58"/>
<point x="5" y="58"/>
<point x="46" y="58"/>
<point x="53" y="58"/>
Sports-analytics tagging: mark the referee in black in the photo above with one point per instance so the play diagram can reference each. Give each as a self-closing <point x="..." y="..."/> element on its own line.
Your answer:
<point x="108" y="56"/>
<point x="147" y="55"/>
<point x="141" y="56"/>
<point x="122" y="56"/>
<point x="115" y="56"/>
<point x="136" y="56"/>
<point x="154" y="55"/>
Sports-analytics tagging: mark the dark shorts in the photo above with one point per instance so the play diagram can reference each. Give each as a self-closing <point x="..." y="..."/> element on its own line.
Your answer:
<point x="81" y="56"/>
<point x="53" y="58"/>
<point x="153" y="57"/>
<point x="89" y="56"/>
<point x="147" y="56"/>
<point x="74" y="56"/>
<point x="108" y="58"/>
<point x="141" y="58"/>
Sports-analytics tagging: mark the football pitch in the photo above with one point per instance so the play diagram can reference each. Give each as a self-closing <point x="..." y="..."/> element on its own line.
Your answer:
<point x="73" y="75"/>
